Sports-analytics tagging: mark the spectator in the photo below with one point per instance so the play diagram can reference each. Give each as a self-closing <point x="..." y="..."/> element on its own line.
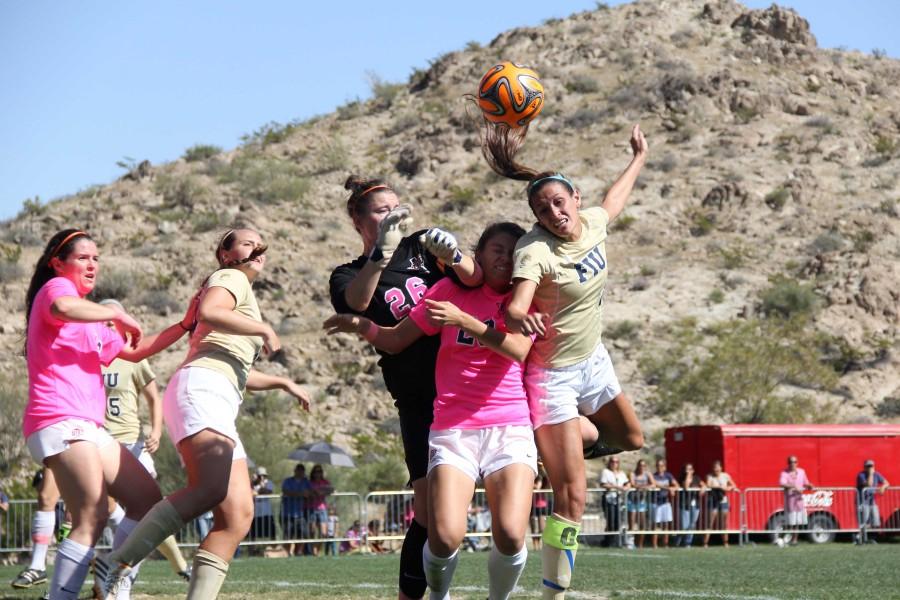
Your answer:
<point x="352" y="544"/>
<point x="717" y="505"/>
<point x="373" y="530"/>
<point x="263" y="527"/>
<point x="294" y="492"/>
<point x="794" y="482"/>
<point x="317" y="505"/>
<point x="663" y="515"/>
<point x="615" y="482"/>
<point x="692" y="487"/>
<point x="541" y="506"/>
<point x="868" y="483"/>
<point x="641" y="481"/>
<point x="204" y="524"/>
<point x="4" y="510"/>
<point x="331" y="532"/>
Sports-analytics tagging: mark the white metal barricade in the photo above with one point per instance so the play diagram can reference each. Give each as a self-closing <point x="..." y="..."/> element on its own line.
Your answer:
<point x="878" y="512"/>
<point x="819" y="515"/>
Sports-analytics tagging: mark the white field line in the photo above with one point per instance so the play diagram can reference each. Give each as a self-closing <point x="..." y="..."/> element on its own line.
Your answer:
<point x="378" y="586"/>
<point x="682" y="594"/>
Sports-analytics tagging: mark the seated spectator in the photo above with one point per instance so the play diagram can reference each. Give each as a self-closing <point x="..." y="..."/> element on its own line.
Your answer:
<point x="615" y="482"/>
<point x="373" y="529"/>
<point x="354" y="537"/>
<point x="294" y="492"/>
<point x="868" y="483"/>
<point x="638" y="500"/>
<point x="663" y="515"/>
<point x="688" y="503"/>
<point x="717" y="505"/>
<point x="794" y="482"/>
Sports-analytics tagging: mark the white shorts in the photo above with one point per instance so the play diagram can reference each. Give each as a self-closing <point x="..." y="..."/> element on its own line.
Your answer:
<point x="198" y="399"/>
<point x="558" y="395"/>
<point x="138" y="450"/>
<point x="55" y="439"/>
<point x="795" y="519"/>
<point x="662" y="513"/>
<point x="480" y="452"/>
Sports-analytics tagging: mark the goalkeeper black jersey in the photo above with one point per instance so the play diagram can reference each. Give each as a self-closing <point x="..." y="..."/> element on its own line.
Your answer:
<point x="412" y="270"/>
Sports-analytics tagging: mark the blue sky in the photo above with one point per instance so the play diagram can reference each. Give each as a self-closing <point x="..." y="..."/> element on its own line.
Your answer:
<point x="84" y="84"/>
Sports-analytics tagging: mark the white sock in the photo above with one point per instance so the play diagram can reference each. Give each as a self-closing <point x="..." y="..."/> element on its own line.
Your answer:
<point x="42" y="525"/>
<point x="72" y="563"/>
<point x="504" y="571"/>
<point x="439" y="573"/>
<point x="116" y="516"/>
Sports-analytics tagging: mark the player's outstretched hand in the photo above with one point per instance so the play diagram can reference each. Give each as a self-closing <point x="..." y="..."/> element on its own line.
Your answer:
<point x="128" y="328"/>
<point x="445" y="313"/>
<point x="442" y="244"/>
<point x="393" y="228"/>
<point x="535" y="324"/>
<point x="341" y="323"/>
<point x="299" y="393"/>
<point x="639" y="146"/>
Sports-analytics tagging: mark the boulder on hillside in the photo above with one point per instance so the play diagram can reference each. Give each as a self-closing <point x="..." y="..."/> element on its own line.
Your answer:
<point x="780" y="23"/>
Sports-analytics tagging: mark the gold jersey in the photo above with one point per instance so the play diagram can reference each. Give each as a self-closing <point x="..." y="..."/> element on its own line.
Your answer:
<point x="124" y="382"/>
<point x="231" y="355"/>
<point x="570" y="278"/>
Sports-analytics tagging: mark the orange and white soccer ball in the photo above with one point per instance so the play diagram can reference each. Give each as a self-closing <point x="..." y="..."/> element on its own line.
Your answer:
<point x="510" y="94"/>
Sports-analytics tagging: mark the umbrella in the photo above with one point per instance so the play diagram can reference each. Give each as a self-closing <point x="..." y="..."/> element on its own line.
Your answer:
<point x="324" y="453"/>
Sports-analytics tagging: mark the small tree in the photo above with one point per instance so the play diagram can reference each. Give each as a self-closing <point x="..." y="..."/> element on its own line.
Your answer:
<point x="742" y="371"/>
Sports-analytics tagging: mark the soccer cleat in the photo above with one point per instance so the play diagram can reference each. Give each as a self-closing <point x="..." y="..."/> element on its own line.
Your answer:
<point x="109" y="576"/>
<point x="28" y="578"/>
<point x="599" y="450"/>
<point x="186" y="574"/>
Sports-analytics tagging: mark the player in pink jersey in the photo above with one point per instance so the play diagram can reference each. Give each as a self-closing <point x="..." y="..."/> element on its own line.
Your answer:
<point x="482" y="425"/>
<point x="67" y="341"/>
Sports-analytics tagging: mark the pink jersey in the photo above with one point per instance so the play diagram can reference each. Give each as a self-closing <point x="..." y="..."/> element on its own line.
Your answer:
<point x="64" y="359"/>
<point x="477" y="388"/>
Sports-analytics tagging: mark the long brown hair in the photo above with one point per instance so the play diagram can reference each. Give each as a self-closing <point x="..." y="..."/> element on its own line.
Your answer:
<point x="500" y="144"/>
<point x="60" y="246"/>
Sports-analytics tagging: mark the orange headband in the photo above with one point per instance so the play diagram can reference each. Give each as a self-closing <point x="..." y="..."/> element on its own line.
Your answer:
<point x="373" y="188"/>
<point x="65" y="241"/>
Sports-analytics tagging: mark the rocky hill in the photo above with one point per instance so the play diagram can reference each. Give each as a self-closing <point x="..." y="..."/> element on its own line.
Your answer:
<point x="770" y="157"/>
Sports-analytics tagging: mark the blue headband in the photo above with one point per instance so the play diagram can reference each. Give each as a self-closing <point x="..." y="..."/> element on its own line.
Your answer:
<point x="554" y="177"/>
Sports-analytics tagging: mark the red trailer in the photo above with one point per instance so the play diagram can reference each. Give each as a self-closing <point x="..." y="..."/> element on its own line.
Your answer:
<point x="832" y="455"/>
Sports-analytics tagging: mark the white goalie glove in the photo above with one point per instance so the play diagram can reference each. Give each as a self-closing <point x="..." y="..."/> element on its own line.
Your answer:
<point x="441" y="244"/>
<point x="391" y="230"/>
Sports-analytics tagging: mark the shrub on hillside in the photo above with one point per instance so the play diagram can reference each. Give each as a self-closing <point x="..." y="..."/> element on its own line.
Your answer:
<point x="740" y="371"/>
<point x="786" y="298"/>
<point x="201" y="152"/>
<point x="13" y="397"/>
<point x="180" y="190"/>
<point x="266" y="179"/>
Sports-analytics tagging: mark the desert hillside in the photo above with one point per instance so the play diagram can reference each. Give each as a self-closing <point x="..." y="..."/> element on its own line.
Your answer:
<point x="773" y="170"/>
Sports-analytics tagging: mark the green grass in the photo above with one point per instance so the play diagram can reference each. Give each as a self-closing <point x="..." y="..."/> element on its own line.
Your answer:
<point x="763" y="572"/>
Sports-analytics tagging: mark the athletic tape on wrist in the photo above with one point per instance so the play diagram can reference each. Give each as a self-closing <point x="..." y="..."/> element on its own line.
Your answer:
<point x="561" y="534"/>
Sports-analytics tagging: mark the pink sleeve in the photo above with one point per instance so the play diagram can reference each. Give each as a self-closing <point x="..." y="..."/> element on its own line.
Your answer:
<point x="782" y="480"/>
<point x="442" y="290"/>
<point x="112" y="344"/>
<point x="56" y="288"/>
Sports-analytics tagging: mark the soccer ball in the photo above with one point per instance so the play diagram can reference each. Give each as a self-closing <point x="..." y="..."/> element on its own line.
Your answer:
<point x="779" y="541"/>
<point x="510" y="94"/>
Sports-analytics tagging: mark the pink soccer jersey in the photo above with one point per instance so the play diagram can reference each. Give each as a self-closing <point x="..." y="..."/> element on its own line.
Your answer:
<point x="64" y="359"/>
<point x="476" y="387"/>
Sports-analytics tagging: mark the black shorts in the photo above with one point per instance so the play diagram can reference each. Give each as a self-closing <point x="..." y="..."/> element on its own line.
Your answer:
<point x="416" y="416"/>
<point x="263" y="528"/>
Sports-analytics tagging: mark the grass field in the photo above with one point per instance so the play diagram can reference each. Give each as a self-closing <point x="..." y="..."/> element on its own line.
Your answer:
<point x="838" y="571"/>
